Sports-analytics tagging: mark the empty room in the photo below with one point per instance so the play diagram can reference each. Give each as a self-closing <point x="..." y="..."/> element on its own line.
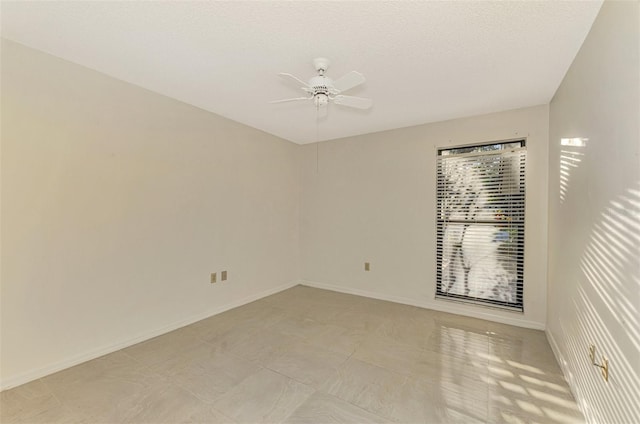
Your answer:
<point x="320" y="212"/>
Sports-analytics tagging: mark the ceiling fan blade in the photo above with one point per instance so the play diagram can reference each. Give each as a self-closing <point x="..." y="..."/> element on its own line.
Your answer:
<point x="291" y="100"/>
<point x="292" y="79"/>
<point x="349" y="81"/>
<point x="351" y="101"/>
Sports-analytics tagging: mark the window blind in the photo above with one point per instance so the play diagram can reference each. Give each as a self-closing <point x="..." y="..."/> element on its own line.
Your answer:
<point x="480" y="224"/>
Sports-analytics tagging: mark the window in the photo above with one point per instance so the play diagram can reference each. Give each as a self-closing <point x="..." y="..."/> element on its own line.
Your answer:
<point x="480" y="223"/>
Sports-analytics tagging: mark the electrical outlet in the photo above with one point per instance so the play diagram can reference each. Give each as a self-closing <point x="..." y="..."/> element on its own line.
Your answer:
<point x="367" y="266"/>
<point x="223" y="276"/>
<point x="213" y="277"/>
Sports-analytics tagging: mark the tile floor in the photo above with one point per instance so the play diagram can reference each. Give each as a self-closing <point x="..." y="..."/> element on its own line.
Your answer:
<point x="312" y="356"/>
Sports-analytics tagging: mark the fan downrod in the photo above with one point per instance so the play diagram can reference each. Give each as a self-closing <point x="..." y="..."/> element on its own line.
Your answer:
<point x="321" y="64"/>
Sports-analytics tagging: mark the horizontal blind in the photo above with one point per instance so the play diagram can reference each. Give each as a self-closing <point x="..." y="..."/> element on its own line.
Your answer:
<point x="480" y="224"/>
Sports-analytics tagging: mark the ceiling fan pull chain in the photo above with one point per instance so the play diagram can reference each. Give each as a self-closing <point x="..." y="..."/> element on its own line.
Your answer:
<point x="317" y="139"/>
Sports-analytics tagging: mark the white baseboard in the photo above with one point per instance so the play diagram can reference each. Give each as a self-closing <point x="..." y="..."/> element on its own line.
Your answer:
<point x="566" y="372"/>
<point x="443" y="306"/>
<point x="105" y="350"/>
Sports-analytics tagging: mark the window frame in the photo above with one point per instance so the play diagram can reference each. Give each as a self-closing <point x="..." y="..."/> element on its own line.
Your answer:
<point x="517" y="306"/>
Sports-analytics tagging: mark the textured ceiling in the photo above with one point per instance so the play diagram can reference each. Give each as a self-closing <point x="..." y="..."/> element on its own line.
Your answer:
<point x="424" y="61"/>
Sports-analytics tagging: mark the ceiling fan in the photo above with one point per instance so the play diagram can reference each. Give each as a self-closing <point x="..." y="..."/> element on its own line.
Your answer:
<point x="322" y="89"/>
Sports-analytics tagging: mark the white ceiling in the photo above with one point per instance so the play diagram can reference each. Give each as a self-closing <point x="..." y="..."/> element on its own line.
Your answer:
<point x="424" y="61"/>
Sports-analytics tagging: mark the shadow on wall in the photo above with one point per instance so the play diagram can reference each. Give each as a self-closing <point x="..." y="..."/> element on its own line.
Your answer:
<point x="609" y="291"/>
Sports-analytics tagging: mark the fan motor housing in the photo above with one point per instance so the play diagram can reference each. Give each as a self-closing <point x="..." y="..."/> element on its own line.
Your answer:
<point x="321" y="84"/>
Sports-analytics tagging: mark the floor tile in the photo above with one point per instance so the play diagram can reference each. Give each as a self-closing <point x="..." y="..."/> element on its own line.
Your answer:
<point x="263" y="346"/>
<point x="526" y="353"/>
<point x="321" y="313"/>
<point x="213" y="327"/>
<point x="307" y="363"/>
<point x="506" y="416"/>
<point x="334" y="337"/>
<point x="458" y="401"/>
<point x="163" y="347"/>
<point x="391" y="395"/>
<point x="409" y="329"/>
<point x="411" y="361"/>
<point x="209" y="415"/>
<point x="357" y="320"/>
<point x="338" y="338"/>
<point x="323" y="408"/>
<point x="521" y="400"/>
<point x="259" y="312"/>
<point x="299" y="325"/>
<point x="59" y="414"/>
<point x="108" y="397"/>
<point x="164" y="403"/>
<point x="110" y="366"/>
<point x="25" y="402"/>
<point x="459" y="340"/>
<point x="387" y="353"/>
<point x="205" y="372"/>
<point x="264" y="397"/>
<point x="226" y="341"/>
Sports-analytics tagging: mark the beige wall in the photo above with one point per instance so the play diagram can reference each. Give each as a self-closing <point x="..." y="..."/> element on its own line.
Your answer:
<point x="117" y="203"/>
<point x="594" y="217"/>
<point x="372" y="198"/>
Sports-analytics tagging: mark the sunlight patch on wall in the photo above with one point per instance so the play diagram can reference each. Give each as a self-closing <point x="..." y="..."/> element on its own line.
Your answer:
<point x="608" y="291"/>
<point x="575" y="142"/>
<point x="610" y="259"/>
<point x="569" y="161"/>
